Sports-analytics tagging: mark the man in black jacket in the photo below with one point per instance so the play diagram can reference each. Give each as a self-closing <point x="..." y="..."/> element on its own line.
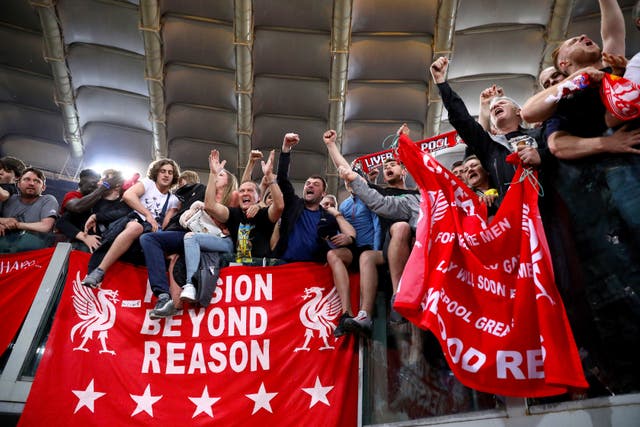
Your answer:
<point x="491" y="149"/>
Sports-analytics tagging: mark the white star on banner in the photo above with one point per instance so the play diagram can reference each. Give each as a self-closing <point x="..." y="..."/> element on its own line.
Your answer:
<point x="261" y="399"/>
<point x="87" y="397"/>
<point x="318" y="393"/>
<point x="204" y="403"/>
<point x="145" y="401"/>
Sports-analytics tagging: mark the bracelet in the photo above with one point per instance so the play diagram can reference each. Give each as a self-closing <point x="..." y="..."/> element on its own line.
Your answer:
<point x="106" y="185"/>
<point x="271" y="183"/>
<point x="339" y="214"/>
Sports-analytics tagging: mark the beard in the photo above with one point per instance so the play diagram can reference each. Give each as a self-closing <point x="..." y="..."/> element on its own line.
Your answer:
<point x="32" y="195"/>
<point x="590" y="57"/>
<point x="585" y="57"/>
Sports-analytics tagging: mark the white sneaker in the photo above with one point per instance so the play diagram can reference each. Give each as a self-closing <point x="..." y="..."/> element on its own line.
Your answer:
<point x="361" y="324"/>
<point x="188" y="293"/>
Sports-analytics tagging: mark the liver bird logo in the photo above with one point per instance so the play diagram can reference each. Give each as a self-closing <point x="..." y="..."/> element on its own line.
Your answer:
<point x="318" y="314"/>
<point x="97" y="313"/>
<point x="439" y="206"/>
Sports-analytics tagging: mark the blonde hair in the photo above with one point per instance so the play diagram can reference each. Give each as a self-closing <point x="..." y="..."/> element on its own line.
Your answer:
<point x="230" y="187"/>
<point x="191" y="177"/>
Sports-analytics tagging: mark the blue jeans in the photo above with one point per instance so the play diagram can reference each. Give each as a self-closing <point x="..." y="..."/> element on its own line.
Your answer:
<point x="194" y="242"/>
<point x="154" y="246"/>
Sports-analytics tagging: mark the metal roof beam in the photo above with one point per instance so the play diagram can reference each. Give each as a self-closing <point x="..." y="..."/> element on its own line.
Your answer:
<point x="442" y="46"/>
<point x="557" y="29"/>
<point x="54" y="54"/>
<point x="154" y="74"/>
<point x="243" y="40"/>
<point x="340" y="38"/>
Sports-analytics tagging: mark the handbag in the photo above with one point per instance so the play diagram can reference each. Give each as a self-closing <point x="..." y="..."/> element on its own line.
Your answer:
<point x="199" y="221"/>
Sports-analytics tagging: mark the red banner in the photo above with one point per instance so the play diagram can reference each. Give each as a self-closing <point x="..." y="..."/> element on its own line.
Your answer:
<point x="620" y="96"/>
<point x="435" y="143"/>
<point x="261" y="354"/>
<point x="487" y="290"/>
<point x="20" y="277"/>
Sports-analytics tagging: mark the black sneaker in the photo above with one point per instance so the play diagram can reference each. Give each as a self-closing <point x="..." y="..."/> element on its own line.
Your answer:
<point x="395" y="318"/>
<point x="340" y="329"/>
<point x="164" y="307"/>
<point x="94" y="278"/>
<point x="361" y="324"/>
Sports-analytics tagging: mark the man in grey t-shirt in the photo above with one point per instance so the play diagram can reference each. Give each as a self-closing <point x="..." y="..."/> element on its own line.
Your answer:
<point x="27" y="218"/>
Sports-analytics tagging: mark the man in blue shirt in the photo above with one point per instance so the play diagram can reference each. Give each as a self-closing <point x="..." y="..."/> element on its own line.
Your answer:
<point x="299" y="240"/>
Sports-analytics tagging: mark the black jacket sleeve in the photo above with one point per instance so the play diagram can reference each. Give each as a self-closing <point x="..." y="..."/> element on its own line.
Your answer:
<point x="66" y="226"/>
<point x="288" y="192"/>
<point x="476" y="138"/>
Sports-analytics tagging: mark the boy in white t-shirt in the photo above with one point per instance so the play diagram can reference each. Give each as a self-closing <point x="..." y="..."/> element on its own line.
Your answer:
<point x="154" y="205"/>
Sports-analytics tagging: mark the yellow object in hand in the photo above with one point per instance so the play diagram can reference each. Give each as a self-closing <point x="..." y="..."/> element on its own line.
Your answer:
<point x="491" y="192"/>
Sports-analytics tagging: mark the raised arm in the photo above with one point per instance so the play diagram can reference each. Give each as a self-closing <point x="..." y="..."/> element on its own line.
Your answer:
<point x="473" y="134"/>
<point x="288" y="192"/>
<point x="485" y="100"/>
<point x="329" y="139"/>
<point x="612" y="28"/>
<point x="290" y="140"/>
<point x="218" y="211"/>
<point x="277" y="206"/>
<point x="386" y="206"/>
<point x="254" y="156"/>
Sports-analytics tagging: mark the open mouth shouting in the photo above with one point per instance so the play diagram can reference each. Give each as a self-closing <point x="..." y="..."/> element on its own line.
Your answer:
<point x="309" y="193"/>
<point x="587" y="41"/>
<point x="472" y="176"/>
<point x="497" y="110"/>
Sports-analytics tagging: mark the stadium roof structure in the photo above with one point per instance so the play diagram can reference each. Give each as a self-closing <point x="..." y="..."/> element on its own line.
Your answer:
<point x="85" y="82"/>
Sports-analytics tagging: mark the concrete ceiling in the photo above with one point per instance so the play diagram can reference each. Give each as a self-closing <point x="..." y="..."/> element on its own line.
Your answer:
<point x="120" y="83"/>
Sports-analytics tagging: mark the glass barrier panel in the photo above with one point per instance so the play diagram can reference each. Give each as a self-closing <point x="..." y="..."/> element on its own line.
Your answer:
<point x="36" y="351"/>
<point x="406" y="377"/>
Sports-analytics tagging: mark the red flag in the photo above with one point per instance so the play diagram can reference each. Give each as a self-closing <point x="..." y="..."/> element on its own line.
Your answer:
<point x="261" y="354"/>
<point x="620" y="96"/>
<point x="486" y="290"/>
<point x="20" y="277"/>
